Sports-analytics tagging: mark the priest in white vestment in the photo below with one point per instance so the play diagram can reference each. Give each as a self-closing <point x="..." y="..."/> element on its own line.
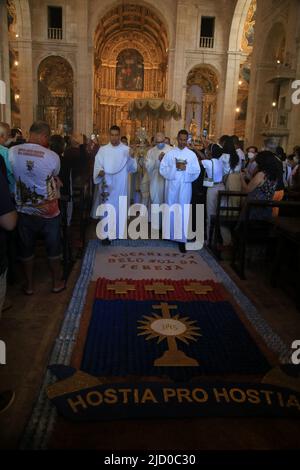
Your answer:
<point x="113" y="163"/>
<point x="157" y="182"/>
<point x="180" y="167"/>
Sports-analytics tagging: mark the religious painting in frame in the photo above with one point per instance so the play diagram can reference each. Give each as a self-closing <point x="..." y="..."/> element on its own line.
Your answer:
<point x="130" y="71"/>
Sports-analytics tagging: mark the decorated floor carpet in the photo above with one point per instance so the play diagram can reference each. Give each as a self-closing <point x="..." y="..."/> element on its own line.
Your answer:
<point x="152" y="337"/>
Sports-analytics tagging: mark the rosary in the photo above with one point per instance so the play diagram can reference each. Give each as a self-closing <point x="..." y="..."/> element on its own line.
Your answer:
<point x="103" y="185"/>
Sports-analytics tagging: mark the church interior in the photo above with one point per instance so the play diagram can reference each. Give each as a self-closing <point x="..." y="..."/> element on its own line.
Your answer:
<point x="140" y="345"/>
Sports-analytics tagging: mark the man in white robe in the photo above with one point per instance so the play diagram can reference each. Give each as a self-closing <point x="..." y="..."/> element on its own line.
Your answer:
<point x="180" y="167"/>
<point x="152" y="165"/>
<point x="113" y="163"/>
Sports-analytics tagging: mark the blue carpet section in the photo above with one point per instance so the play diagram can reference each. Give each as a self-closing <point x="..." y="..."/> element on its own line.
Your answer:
<point x="113" y="347"/>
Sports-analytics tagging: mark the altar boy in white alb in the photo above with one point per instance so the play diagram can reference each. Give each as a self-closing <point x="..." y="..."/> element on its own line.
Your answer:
<point x="113" y="163"/>
<point x="157" y="182"/>
<point x="179" y="167"/>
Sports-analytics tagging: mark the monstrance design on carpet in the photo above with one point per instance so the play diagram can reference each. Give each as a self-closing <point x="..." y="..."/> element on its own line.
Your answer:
<point x="172" y="329"/>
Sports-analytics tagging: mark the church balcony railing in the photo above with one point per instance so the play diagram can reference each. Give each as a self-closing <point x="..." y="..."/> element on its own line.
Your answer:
<point x="207" y="42"/>
<point x="276" y="123"/>
<point x="282" y="73"/>
<point x="55" y="33"/>
<point x="109" y="94"/>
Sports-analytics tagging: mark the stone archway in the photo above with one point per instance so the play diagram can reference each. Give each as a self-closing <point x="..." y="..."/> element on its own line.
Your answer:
<point x="269" y="118"/>
<point x="55" y="94"/>
<point x="20" y="79"/>
<point x="201" y="101"/>
<point x="235" y="58"/>
<point x="274" y="45"/>
<point x="247" y="43"/>
<point x="130" y="40"/>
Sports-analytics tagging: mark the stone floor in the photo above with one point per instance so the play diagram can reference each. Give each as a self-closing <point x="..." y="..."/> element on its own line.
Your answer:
<point x="29" y="330"/>
<point x="276" y="306"/>
<point x="30" y="327"/>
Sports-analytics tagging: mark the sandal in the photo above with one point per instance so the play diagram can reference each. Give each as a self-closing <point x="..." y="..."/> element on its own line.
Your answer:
<point x="59" y="290"/>
<point x="27" y="292"/>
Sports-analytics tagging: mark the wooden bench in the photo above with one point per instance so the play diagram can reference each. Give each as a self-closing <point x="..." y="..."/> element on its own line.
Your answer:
<point x="288" y="233"/>
<point x="229" y="206"/>
<point x="250" y="231"/>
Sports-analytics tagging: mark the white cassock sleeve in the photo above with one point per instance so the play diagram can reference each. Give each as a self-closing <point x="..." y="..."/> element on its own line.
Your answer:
<point x="167" y="167"/>
<point x="131" y="165"/>
<point x="98" y="166"/>
<point x="192" y="169"/>
<point x="151" y="163"/>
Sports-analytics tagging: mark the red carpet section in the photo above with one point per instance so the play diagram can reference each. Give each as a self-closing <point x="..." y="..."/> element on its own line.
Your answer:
<point x="183" y="290"/>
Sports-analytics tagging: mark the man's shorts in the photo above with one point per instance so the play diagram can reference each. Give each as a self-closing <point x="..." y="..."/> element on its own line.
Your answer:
<point x="31" y="227"/>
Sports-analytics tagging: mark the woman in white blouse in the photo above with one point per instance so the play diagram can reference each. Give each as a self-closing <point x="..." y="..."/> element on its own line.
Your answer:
<point x="232" y="165"/>
<point x="214" y="172"/>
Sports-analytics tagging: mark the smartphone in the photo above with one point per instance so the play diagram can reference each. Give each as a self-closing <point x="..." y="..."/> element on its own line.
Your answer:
<point x="204" y="133"/>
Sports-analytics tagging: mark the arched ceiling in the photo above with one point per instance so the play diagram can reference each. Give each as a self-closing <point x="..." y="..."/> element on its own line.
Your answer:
<point x="130" y="18"/>
<point x="204" y="76"/>
<point x="274" y="46"/>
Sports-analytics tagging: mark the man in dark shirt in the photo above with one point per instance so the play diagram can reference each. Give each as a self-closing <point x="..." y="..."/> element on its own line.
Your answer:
<point x="8" y="220"/>
<point x="279" y="193"/>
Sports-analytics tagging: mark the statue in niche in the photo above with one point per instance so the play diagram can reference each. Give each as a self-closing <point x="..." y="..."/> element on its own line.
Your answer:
<point x="11" y="15"/>
<point x="130" y="71"/>
<point x="55" y="93"/>
<point x="243" y="110"/>
<point x="193" y="128"/>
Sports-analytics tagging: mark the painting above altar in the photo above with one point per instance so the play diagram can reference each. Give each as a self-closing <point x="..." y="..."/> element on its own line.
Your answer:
<point x="130" y="71"/>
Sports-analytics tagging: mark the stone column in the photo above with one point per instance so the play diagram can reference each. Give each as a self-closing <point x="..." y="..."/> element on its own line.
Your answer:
<point x="25" y="71"/>
<point x="5" y="110"/>
<point x="231" y="91"/>
<point x="84" y="100"/>
<point x="27" y="113"/>
<point x="294" y="117"/>
<point x="178" y="83"/>
<point x="256" y="81"/>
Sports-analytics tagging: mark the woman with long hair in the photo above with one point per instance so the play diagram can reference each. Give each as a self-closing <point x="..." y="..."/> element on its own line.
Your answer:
<point x="263" y="185"/>
<point x="230" y="159"/>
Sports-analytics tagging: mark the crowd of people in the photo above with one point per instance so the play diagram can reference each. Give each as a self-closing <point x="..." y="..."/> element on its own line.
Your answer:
<point x="219" y="166"/>
<point x="34" y="175"/>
